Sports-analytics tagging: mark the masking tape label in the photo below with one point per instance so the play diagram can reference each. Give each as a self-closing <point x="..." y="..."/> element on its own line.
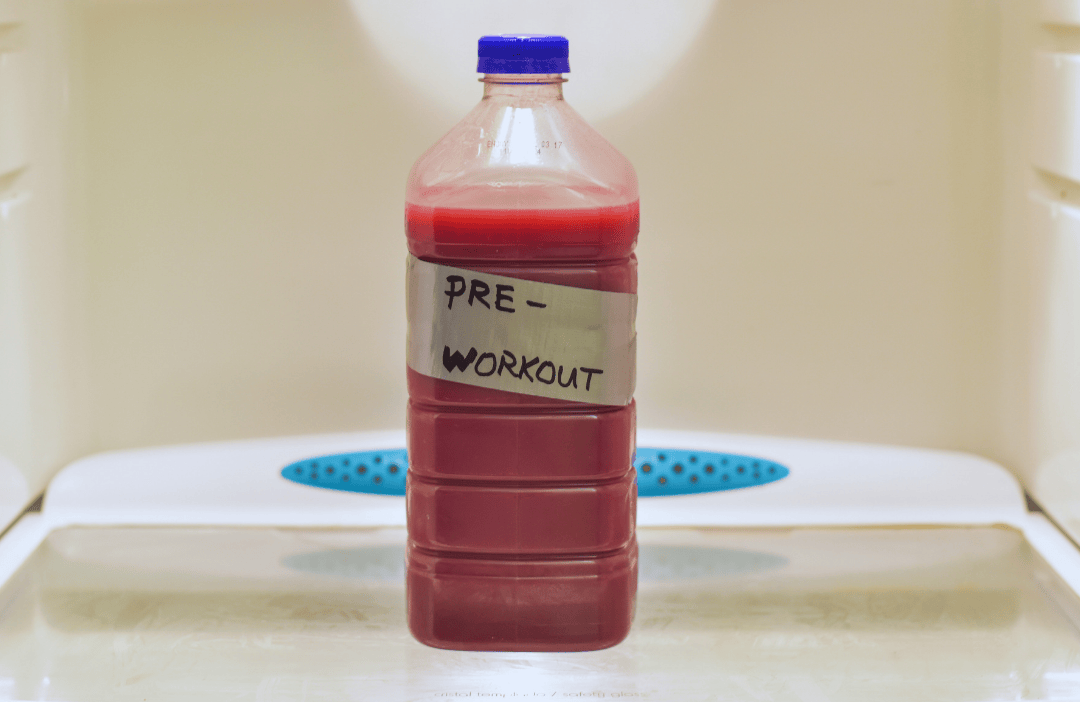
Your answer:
<point x="510" y="334"/>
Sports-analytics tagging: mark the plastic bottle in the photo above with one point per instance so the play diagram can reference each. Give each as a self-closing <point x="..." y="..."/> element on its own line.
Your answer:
<point x="521" y="502"/>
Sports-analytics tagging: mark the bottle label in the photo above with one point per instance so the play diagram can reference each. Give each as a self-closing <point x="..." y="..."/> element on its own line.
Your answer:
<point x="516" y="335"/>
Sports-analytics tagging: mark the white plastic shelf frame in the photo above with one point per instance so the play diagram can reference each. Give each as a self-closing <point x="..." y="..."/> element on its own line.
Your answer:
<point x="869" y="573"/>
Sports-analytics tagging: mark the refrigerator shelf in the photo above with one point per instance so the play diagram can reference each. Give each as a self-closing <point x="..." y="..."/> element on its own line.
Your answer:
<point x="870" y="572"/>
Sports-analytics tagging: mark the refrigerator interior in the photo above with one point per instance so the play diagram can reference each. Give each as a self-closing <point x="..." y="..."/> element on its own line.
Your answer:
<point x="848" y="229"/>
<point x="860" y="221"/>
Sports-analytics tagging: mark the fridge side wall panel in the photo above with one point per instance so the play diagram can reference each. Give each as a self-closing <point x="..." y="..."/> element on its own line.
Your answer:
<point x="42" y="389"/>
<point x="1053" y="230"/>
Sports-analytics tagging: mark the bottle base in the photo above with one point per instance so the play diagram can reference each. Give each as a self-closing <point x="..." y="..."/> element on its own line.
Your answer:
<point x="470" y="604"/>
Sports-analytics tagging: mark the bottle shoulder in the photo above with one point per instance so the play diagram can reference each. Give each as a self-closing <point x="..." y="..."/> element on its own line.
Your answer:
<point x="517" y="154"/>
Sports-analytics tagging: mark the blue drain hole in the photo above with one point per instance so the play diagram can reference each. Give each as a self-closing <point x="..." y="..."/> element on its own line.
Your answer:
<point x="661" y="471"/>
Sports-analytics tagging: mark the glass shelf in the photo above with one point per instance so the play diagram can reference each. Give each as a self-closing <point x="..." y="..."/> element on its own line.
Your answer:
<point x="806" y="615"/>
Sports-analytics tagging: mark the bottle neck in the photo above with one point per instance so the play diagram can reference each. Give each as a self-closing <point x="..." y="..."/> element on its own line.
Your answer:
<point x="528" y="86"/>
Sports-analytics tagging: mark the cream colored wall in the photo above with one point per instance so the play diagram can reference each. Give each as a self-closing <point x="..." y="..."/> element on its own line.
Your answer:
<point x="819" y="222"/>
<point x="821" y="250"/>
<point x="246" y="165"/>
<point x="1023" y="266"/>
<point x="42" y="381"/>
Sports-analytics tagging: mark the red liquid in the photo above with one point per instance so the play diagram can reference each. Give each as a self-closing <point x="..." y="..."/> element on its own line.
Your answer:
<point x="521" y="509"/>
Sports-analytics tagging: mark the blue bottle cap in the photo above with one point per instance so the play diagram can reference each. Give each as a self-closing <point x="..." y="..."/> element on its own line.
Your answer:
<point x="523" y="53"/>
